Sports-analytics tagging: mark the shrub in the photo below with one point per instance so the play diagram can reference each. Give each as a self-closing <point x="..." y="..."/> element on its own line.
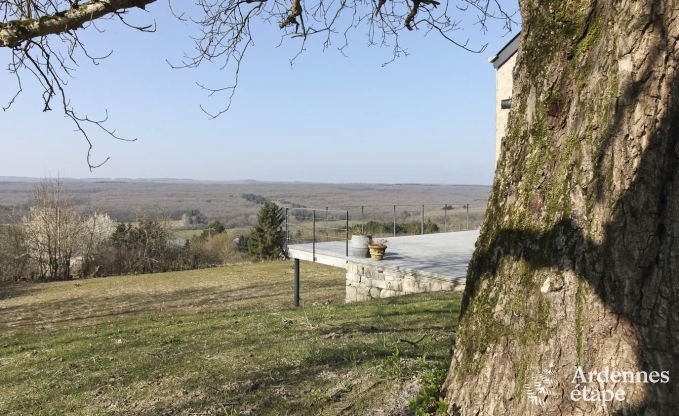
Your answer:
<point x="214" y="228"/>
<point x="14" y="257"/>
<point x="141" y="248"/>
<point x="217" y="250"/>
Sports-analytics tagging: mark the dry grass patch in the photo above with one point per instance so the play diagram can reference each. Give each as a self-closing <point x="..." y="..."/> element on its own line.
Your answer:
<point x="215" y="341"/>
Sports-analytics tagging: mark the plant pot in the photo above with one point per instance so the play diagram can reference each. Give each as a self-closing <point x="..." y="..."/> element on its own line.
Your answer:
<point x="359" y="245"/>
<point x="377" y="251"/>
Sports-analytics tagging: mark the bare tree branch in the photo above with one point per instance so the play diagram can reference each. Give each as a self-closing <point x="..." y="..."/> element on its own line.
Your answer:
<point x="42" y="37"/>
<point x="13" y="32"/>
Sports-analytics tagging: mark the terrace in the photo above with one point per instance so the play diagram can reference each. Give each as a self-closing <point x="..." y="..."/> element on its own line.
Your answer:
<point x="412" y="263"/>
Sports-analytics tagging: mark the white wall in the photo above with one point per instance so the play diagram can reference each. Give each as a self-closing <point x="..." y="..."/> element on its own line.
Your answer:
<point x="503" y="90"/>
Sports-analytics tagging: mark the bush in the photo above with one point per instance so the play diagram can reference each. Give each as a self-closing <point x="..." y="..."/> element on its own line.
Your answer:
<point x="217" y="250"/>
<point x="14" y="257"/>
<point x="256" y="199"/>
<point x="146" y="248"/>
<point x="409" y="228"/>
<point x="141" y="248"/>
<point x="214" y="228"/>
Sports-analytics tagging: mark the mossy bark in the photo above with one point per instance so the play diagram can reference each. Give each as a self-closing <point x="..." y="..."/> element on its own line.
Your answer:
<point x="577" y="262"/>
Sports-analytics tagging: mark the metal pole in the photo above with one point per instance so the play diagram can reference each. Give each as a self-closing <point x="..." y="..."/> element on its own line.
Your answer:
<point x="296" y="284"/>
<point x="326" y="223"/>
<point x="445" y="218"/>
<point x="362" y="220"/>
<point x="422" y="222"/>
<point x="346" y="247"/>
<point x="394" y="220"/>
<point x="467" y="217"/>
<point x="313" y="238"/>
<point x="287" y="232"/>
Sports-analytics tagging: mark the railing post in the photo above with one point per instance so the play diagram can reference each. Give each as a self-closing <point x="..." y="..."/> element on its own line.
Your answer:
<point x="422" y="222"/>
<point x="313" y="236"/>
<point x="346" y="248"/>
<point x="445" y="218"/>
<point x="467" y="228"/>
<point x="394" y="220"/>
<point x="296" y="284"/>
<point x="287" y="232"/>
<point x="326" y="223"/>
<point x="362" y="220"/>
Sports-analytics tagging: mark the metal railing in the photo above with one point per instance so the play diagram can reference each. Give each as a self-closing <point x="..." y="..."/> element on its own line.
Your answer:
<point x="316" y="225"/>
<point x="411" y="214"/>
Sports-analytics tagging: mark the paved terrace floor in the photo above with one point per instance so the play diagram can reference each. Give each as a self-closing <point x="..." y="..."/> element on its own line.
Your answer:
<point x="442" y="255"/>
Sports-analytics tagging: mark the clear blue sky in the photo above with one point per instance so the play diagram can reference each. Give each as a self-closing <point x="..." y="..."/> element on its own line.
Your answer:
<point x="426" y="118"/>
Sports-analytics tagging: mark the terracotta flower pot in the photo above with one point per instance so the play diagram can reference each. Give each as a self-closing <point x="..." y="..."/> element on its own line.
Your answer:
<point x="377" y="251"/>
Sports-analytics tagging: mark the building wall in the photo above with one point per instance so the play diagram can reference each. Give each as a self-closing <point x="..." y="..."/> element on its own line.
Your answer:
<point x="503" y="90"/>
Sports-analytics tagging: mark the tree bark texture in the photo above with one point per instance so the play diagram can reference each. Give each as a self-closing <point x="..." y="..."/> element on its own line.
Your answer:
<point x="577" y="264"/>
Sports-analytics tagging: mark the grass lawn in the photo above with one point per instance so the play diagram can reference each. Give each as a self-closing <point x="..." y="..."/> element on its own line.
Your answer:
<point x="187" y="234"/>
<point x="218" y="341"/>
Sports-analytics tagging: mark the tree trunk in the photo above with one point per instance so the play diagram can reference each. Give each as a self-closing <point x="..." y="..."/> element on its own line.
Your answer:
<point x="577" y="264"/>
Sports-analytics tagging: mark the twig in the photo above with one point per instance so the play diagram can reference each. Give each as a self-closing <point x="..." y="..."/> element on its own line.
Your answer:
<point x="413" y="343"/>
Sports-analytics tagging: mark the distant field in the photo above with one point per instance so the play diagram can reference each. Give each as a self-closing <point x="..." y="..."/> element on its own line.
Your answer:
<point x="186" y="234"/>
<point x="129" y="200"/>
<point x="217" y="341"/>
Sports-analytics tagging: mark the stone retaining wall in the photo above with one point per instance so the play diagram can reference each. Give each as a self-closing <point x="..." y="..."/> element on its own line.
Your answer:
<point x="367" y="281"/>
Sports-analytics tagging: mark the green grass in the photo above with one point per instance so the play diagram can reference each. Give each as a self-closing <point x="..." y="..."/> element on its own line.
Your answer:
<point x="187" y="234"/>
<point x="216" y="341"/>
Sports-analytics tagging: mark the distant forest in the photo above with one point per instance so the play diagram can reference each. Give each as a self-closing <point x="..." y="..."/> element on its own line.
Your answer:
<point x="236" y="205"/>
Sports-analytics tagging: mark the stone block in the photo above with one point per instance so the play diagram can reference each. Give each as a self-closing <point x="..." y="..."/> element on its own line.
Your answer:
<point x="362" y="291"/>
<point x="361" y="298"/>
<point x="379" y="283"/>
<point x="370" y="272"/>
<point x="434" y="285"/>
<point x="350" y="294"/>
<point x="410" y="285"/>
<point x="395" y="285"/>
<point x="387" y="293"/>
<point x="353" y="277"/>
<point x="393" y="275"/>
<point x="353" y="284"/>
<point x="375" y="292"/>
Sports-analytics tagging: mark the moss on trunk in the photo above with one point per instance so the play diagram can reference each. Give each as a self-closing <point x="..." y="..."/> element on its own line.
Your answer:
<point x="575" y="263"/>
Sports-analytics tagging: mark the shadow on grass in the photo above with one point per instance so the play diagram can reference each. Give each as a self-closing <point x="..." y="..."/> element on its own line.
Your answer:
<point x="255" y="366"/>
<point x="93" y="307"/>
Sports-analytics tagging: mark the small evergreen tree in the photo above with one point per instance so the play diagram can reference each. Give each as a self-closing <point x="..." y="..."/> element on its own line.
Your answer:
<point x="267" y="239"/>
<point x="214" y="228"/>
<point x="242" y="243"/>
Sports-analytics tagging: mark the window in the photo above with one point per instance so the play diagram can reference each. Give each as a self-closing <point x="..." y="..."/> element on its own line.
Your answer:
<point x="506" y="103"/>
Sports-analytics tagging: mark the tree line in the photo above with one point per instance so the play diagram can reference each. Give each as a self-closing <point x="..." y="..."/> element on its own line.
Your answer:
<point x="55" y="242"/>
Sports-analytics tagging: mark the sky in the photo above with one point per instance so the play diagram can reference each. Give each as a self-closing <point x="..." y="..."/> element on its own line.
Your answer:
<point x="425" y="118"/>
